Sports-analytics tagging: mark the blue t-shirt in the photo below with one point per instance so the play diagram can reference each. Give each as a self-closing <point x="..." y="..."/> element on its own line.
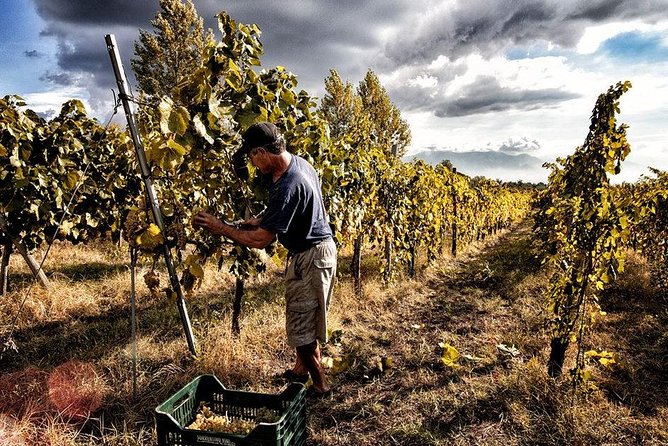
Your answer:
<point x="296" y="212"/>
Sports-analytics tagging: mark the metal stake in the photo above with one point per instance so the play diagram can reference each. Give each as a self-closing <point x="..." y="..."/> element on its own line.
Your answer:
<point x="146" y="176"/>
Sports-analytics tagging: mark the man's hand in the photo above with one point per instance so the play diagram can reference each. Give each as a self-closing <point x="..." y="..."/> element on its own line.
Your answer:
<point x="208" y="222"/>
<point x="247" y="233"/>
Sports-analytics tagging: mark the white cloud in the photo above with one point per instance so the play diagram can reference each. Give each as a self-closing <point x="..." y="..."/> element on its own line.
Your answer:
<point x="52" y="100"/>
<point x="423" y="81"/>
<point x="595" y="35"/>
<point x="536" y="73"/>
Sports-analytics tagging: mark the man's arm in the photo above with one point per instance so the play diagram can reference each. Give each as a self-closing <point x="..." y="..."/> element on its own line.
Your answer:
<point x="253" y="238"/>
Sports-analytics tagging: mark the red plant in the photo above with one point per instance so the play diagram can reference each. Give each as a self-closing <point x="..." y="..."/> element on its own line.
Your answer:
<point x="23" y="392"/>
<point x="76" y="390"/>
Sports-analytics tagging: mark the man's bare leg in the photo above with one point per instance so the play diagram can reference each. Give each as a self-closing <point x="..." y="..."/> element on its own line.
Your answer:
<point x="299" y="367"/>
<point x="309" y="355"/>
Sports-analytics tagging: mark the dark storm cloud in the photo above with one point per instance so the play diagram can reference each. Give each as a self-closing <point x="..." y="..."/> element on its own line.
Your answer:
<point x="65" y="79"/>
<point x="487" y="95"/>
<point x="531" y="14"/>
<point x="604" y="10"/>
<point x="479" y="26"/>
<point x="596" y="11"/>
<point x="489" y="27"/>
<point x="79" y="28"/>
<point x="482" y="96"/>
<point x="310" y="38"/>
<point x="97" y="12"/>
<point x="351" y="36"/>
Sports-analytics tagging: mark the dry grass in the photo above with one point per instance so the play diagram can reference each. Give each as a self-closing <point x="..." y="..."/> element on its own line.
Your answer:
<point x="491" y="294"/>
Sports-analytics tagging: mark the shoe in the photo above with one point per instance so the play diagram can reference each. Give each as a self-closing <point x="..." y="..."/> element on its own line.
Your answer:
<point x="313" y="394"/>
<point x="291" y="376"/>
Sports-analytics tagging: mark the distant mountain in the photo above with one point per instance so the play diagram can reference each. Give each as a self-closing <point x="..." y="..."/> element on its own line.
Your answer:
<point x="490" y="164"/>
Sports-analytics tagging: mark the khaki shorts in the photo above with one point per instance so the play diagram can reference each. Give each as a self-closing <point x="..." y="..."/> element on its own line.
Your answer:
<point x="309" y="280"/>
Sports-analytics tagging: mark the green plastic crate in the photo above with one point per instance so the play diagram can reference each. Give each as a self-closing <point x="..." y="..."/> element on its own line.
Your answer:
<point x="179" y="411"/>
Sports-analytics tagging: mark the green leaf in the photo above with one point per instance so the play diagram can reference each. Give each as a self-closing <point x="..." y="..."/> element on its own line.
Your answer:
<point x="246" y="119"/>
<point x="233" y="77"/>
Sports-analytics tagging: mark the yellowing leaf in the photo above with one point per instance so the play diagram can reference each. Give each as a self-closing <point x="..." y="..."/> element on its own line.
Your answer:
<point x="605" y="278"/>
<point x="449" y="356"/>
<point x="201" y="129"/>
<point x="153" y="230"/>
<point x="605" y="358"/>
<point x="288" y="97"/>
<point x="335" y="336"/>
<point x="72" y="179"/>
<point x="173" y="119"/>
<point x="150" y="238"/>
<point x="167" y="156"/>
<point x="607" y="362"/>
<point x="586" y="375"/>
<point x="192" y="262"/>
<point x="65" y="228"/>
<point x="341" y="364"/>
<point x="176" y="147"/>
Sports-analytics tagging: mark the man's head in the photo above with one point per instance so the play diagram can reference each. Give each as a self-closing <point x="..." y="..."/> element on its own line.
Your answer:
<point x="263" y="135"/>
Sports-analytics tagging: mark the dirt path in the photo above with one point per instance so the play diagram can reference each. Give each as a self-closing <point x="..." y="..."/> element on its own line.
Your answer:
<point x="470" y="303"/>
<point x="489" y="304"/>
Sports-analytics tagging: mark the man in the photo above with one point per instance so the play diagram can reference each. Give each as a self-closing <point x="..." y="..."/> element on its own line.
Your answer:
<point x="296" y="215"/>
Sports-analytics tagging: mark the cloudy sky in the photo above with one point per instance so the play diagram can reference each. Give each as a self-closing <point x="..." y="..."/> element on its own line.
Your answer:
<point x="508" y="76"/>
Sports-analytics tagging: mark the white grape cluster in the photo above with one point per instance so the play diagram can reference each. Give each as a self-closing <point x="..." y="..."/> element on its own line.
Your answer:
<point x="208" y="420"/>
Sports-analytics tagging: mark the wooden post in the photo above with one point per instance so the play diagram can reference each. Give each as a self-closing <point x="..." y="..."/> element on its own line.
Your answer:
<point x="388" y="258"/>
<point x="236" y="306"/>
<point x="357" y="263"/>
<point x="388" y="240"/>
<point x="454" y="219"/>
<point x="37" y="272"/>
<point x="4" y="268"/>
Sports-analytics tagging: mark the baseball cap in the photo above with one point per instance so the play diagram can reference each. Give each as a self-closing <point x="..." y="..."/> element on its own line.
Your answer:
<point x="258" y="135"/>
